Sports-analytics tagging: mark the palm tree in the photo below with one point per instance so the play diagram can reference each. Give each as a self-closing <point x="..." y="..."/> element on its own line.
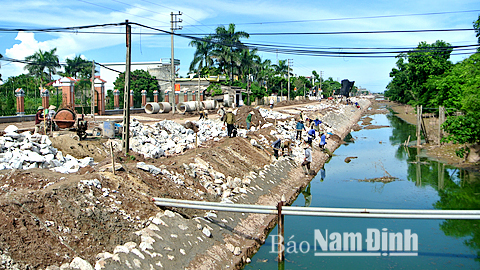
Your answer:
<point x="201" y="56"/>
<point x="40" y="61"/>
<point x="227" y="44"/>
<point x="249" y="62"/>
<point x="266" y="71"/>
<point x="78" y="67"/>
<point x="282" y="68"/>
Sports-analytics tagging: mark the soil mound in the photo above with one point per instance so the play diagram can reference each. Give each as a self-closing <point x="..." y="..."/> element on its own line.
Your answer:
<point x="242" y="114"/>
<point x="90" y="147"/>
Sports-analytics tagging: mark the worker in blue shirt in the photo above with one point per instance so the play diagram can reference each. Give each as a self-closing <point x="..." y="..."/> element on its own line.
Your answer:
<point x="322" y="141"/>
<point x="276" y="146"/>
<point x="300" y="126"/>
<point x="311" y="136"/>
<point x="316" y="124"/>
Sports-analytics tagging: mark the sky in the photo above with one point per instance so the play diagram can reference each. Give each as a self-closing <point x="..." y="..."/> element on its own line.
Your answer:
<point x="253" y="17"/>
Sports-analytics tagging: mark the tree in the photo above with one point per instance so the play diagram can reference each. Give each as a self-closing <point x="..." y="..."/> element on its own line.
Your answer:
<point x="265" y="73"/>
<point x="282" y="69"/>
<point x="414" y="69"/>
<point x="43" y="64"/>
<point x="201" y="57"/>
<point x="78" y="68"/>
<point x="140" y="80"/>
<point x="249" y="62"/>
<point x="476" y="26"/>
<point x="227" y="43"/>
<point x="329" y="87"/>
<point x="464" y="93"/>
<point x="398" y="87"/>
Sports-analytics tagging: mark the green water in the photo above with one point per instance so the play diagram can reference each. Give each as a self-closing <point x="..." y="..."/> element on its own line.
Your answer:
<point x="422" y="184"/>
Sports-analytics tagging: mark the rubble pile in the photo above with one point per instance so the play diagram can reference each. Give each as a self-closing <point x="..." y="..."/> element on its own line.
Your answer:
<point x="168" y="137"/>
<point x="175" y="177"/>
<point x="273" y="114"/>
<point x="25" y="151"/>
<point x="216" y="183"/>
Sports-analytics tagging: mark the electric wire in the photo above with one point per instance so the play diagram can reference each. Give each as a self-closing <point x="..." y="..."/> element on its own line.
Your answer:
<point x="358" y="18"/>
<point x="200" y="24"/>
<point x="116" y="10"/>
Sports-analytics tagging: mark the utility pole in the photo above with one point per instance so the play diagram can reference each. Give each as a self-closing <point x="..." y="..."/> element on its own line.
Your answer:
<point x="92" y="100"/>
<point x="173" y="27"/>
<point x="126" y="97"/>
<point x="304" y="92"/>
<point x="198" y="92"/>
<point x="318" y="92"/>
<point x="288" y="76"/>
<point x="248" y="90"/>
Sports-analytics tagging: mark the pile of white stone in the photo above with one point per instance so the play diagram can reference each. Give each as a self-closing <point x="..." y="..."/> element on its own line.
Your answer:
<point x="273" y="114"/>
<point x="174" y="176"/>
<point x="168" y="137"/>
<point x="25" y="151"/>
<point x="216" y="183"/>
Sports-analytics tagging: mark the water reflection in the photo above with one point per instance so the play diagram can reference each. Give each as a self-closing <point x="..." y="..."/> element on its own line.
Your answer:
<point x="458" y="189"/>
<point x="307" y="195"/>
<point x="421" y="184"/>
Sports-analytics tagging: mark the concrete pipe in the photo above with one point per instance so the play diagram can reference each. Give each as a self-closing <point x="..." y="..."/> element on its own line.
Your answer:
<point x="152" y="107"/>
<point x="190" y="106"/>
<point x="210" y="104"/>
<point x="165" y="107"/>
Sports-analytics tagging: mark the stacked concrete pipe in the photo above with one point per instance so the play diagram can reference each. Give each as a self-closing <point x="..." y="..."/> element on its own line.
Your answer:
<point x="210" y="104"/>
<point x="189" y="106"/>
<point x="160" y="107"/>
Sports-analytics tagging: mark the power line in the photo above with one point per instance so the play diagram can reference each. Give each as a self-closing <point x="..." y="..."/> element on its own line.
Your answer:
<point x="360" y="18"/>
<point x="116" y="10"/>
<point x="69" y="28"/>
<point x="156" y="4"/>
<point x="351" y="32"/>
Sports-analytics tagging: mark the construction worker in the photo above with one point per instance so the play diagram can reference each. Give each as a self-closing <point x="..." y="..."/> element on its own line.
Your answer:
<point x="311" y="136"/>
<point x="50" y="116"/>
<point x="221" y="113"/>
<point x="203" y="115"/>
<point x="316" y="124"/>
<point x="276" y="146"/>
<point x="308" y="158"/>
<point x="249" y="119"/>
<point x="322" y="141"/>
<point x="230" y="121"/>
<point x="39" y="117"/>
<point x="299" y="127"/>
<point x="286" y="147"/>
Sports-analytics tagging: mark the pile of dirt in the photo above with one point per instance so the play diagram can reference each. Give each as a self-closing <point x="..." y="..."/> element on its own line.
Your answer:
<point x="242" y="113"/>
<point x="48" y="218"/>
<point x="291" y="102"/>
<point x="90" y="147"/>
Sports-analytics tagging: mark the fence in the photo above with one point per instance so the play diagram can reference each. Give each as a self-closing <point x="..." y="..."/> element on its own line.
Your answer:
<point x="280" y="210"/>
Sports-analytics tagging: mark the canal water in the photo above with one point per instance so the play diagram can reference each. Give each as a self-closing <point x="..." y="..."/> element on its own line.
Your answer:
<point x="421" y="183"/>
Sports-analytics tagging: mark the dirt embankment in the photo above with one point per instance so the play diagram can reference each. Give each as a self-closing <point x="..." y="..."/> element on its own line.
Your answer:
<point x="47" y="218"/>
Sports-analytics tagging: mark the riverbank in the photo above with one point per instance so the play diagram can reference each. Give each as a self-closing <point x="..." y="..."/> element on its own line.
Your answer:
<point x="108" y="220"/>
<point x="444" y="152"/>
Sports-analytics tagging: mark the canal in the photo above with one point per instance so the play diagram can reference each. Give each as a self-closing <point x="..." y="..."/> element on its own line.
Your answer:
<point x="419" y="183"/>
